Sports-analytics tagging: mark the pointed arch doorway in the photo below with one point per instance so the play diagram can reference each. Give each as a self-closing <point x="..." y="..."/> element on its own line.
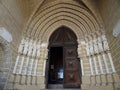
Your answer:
<point x="64" y="67"/>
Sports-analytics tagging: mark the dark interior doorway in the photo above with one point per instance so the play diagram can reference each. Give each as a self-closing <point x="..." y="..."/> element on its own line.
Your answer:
<point x="56" y="72"/>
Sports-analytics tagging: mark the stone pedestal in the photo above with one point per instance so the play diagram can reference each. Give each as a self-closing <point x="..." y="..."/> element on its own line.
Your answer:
<point x="17" y="78"/>
<point x="33" y="80"/>
<point x="109" y="79"/>
<point x="116" y="81"/>
<point x="23" y="78"/>
<point x="85" y="82"/>
<point x="116" y="77"/>
<point x="29" y="80"/>
<point x="103" y="80"/>
<point x="98" y="80"/>
<point x="93" y="81"/>
<point x="12" y="78"/>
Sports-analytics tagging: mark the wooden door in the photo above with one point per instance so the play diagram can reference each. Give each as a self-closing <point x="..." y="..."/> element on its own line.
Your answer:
<point x="71" y="67"/>
<point x="67" y="39"/>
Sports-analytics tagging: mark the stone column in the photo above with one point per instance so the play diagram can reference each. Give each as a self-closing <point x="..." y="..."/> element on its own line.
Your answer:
<point x="21" y="66"/>
<point x="101" y="60"/>
<point x="44" y="67"/>
<point x="35" y="69"/>
<point x="97" y="60"/>
<point x="20" y="50"/>
<point x="42" y="64"/>
<point x="84" y="64"/>
<point x="91" y="51"/>
<point x="82" y="67"/>
<point x="26" y="67"/>
<point x="105" y="62"/>
<point x="106" y="48"/>
<point x="88" y="55"/>
<point x="91" y="67"/>
<point x="16" y="64"/>
<point x="111" y="62"/>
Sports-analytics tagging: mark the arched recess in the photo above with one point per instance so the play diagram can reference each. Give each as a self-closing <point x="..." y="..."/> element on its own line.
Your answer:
<point x="63" y="67"/>
<point x="62" y="35"/>
<point x="58" y="24"/>
<point x="5" y="63"/>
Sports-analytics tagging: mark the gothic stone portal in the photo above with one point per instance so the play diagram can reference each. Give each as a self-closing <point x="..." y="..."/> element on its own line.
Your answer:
<point x="64" y="67"/>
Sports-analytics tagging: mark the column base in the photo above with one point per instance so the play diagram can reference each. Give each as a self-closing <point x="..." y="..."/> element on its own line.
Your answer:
<point x="98" y="80"/>
<point x="108" y="87"/>
<point x="93" y="81"/>
<point x="116" y="81"/>
<point x="29" y="87"/>
<point x="85" y="82"/>
<point x="34" y="84"/>
<point x="109" y="79"/>
<point x="103" y="80"/>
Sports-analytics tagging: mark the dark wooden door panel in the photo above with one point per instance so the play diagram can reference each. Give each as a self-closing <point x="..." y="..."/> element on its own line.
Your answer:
<point x="71" y="79"/>
<point x="70" y="52"/>
<point x="71" y="64"/>
<point x="71" y="67"/>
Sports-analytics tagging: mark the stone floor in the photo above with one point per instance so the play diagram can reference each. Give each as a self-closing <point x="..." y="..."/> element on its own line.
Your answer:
<point x="62" y="89"/>
<point x="57" y="87"/>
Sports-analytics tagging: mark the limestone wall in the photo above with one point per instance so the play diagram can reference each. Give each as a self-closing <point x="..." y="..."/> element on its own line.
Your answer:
<point x="11" y="18"/>
<point x="110" y="12"/>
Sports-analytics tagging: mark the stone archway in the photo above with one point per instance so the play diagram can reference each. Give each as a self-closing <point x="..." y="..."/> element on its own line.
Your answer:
<point x="5" y="63"/>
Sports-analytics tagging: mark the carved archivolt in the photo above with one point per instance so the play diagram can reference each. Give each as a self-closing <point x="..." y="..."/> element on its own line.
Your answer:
<point x="67" y="13"/>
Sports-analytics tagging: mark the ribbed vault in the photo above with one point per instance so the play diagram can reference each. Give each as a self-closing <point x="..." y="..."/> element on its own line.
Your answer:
<point x="55" y="14"/>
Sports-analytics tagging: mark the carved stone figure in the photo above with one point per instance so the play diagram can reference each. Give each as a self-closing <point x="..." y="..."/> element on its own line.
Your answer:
<point x="34" y="49"/>
<point x="95" y="45"/>
<point x="87" y="49"/>
<point x="38" y="49"/>
<point x="30" y="48"/>
<point x="105" y="43"/>
<point x="26" y="46"/>
<point x="20" y="49"/>
<point x="100" y="45"/>
<point x="91" y="47"/>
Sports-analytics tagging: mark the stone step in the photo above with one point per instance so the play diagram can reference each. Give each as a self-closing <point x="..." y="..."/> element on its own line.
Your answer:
<point x="58" y="87"/>
<point x="55" y="86"/>
<point x="61" y="89"/>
